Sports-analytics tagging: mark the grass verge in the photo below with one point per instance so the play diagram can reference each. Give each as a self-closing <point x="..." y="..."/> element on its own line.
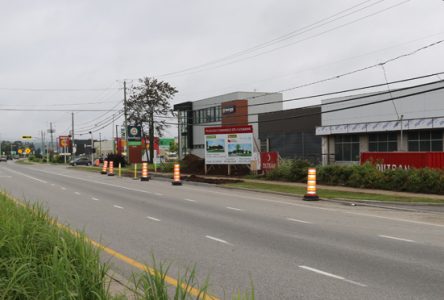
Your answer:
<point x="38" y="260"/>
<point x="42" y="259"/>
<point x="332" y="194"/>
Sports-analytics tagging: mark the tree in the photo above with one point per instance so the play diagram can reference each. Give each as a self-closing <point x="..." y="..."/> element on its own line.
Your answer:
<point x="147" y="101"/>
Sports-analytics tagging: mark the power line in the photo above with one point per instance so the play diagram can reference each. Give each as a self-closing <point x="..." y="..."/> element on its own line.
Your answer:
<point x="200" y="69"/>
<point x="56" y="89"/>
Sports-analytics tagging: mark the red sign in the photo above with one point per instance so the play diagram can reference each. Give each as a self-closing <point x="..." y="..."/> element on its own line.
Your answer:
<point x="269" y="160"/>
<point x="229" y="129"/>
<point x="64" y="141"/>
<point x="404" y="160"/>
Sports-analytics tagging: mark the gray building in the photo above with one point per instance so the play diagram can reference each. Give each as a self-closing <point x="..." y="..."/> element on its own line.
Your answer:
<point x="233" y="109"/>
<point x="292" y="133"/>
<point x="405" y="119"/>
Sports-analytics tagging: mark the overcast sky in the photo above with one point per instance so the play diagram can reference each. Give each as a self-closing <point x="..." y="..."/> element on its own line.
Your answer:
<point x="49" y="46"/>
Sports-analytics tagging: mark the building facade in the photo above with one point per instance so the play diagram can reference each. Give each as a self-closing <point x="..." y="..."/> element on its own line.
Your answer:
<point x="234" y="109"/>
<point x="292" y="133"/>
<point x="409" y="119"/>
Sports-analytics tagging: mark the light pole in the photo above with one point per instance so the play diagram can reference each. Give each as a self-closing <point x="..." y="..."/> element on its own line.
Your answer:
<point x="402" y="138"/>
<point x="92" y="147"/>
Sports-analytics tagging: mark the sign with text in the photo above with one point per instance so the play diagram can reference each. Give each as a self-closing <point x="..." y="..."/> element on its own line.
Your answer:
<point x="269" y="160"/>
<point x="228" y="145"/>
<point x="134" y="136"/>
<point x="64" y="141"/>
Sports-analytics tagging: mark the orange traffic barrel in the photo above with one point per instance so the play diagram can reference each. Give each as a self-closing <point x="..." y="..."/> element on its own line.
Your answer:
<point x="111" y="168"/>
<point x="145" y="176"/>
<point x="311" y="185"/>
<point x="105" y="166"/>
<point x="176" y="175"/>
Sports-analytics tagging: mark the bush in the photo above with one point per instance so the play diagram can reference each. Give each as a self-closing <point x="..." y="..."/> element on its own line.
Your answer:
<point x="117" y="159"/>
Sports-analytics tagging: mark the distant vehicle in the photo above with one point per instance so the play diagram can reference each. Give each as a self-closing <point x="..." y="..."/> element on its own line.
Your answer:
<point x="80" y="161"/>
<point x="171" y="157"/>
<point x="3" y="158"/>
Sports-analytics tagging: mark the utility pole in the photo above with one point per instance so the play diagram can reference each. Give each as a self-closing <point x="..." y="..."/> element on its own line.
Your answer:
<point x="100" y="144"/>
<point x="73" y="144"/>
<point x="51" y="131"/>
<point x="114" y="140"/>
<point x="125" y="123"/>
<point x="92" y="147"/>
<point x="117" y="139"/>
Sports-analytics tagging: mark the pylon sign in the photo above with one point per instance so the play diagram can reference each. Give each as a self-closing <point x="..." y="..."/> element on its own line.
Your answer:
<point x="27" y="137"/>
<point x="64" y="141"/>
<point x="134" y="135"/>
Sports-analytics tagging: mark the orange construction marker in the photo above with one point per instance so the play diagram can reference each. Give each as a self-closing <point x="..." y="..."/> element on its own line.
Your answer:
<point x="105" y="166"/>
<point x="176" y="175"/>
<point x="111" y="168"/>
<point x="311" y="186"/>
<point x="145" y="176"/>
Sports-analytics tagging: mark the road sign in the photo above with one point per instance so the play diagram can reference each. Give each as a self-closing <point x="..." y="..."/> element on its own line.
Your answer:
<point x="134" y="135"/>
<point x="20" y="151"/>
<point x="27" y="137"/>
<point x="27" y="151"/>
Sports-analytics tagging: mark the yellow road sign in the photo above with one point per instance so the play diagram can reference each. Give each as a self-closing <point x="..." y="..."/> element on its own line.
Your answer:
<point x="20" y="151"/>
<point x="27" y="151"/>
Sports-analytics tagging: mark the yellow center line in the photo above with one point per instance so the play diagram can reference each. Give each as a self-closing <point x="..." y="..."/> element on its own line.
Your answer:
<point x="128" y="260"/>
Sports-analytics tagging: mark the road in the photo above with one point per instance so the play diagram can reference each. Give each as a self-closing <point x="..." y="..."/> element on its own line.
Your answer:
<point x="288" y="248"/>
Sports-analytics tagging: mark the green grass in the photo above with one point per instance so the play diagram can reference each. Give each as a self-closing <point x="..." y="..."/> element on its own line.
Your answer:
<point x="38" y="260"/>
<point x="332" y="194"/>
<point x="42" y="260"/>
<point x="24" y="162"/>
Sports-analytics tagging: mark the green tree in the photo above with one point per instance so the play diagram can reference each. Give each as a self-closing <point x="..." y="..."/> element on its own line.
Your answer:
<point x="148" y="102"/>
<point x="173" y="146"/>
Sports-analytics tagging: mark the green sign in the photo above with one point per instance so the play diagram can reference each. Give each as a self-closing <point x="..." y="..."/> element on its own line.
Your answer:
<point x="134" y="143"/>
<point x="164" y="143"/>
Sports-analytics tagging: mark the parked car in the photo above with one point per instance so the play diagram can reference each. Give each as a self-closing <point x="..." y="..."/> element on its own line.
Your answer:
<point x="3" y="158"/>
<point x="80" y="161"/>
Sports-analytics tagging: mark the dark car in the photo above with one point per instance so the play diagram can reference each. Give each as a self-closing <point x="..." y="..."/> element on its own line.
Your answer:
<point x="81" y="161"/>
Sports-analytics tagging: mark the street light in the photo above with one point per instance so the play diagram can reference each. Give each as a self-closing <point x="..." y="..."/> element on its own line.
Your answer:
<point x="92" y="147"/>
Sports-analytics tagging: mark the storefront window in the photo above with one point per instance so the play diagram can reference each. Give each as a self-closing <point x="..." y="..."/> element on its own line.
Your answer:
<point x="425" y="141"/>
<point x="347" y="148"/>
<point x="382" y="142"/>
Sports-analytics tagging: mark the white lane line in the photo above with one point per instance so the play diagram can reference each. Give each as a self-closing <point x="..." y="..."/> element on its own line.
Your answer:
<point x="154" y="219"/>
<point x="234" y="208"/>
<point x="63" y="188"/>
<point x="331" y="275"/>
<point x="189" y="200"/>
<point x="299" y="221"/>
<point x="396" y="238"/>
<point x="158" y="194"/>
<point x="218" y="240"/>
<point x="116" y="206"/>
<point x="77" y="193"/>
<point x="95" y="199"/>
<point x="30" y="177"/>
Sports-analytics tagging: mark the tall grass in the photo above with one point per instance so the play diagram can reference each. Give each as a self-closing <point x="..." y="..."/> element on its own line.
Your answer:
<point x="38" y="260"/>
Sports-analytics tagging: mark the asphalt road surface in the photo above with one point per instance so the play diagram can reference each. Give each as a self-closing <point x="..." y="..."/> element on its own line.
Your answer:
<point x="285" y="247"/>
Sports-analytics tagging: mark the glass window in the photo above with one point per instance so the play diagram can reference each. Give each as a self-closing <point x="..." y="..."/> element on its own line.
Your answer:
<point x="425" y="141"/>
<point x="382" y="142"/>
<point x="347" y="148"/>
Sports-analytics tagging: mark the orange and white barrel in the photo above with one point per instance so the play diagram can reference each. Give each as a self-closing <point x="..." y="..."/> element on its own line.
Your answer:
<point x="311" y="185"/>
<point x="176" y="175"/>
<point x="145" y="176"/>
<point x="105" y="166"/>
<point x="111" y="168"/>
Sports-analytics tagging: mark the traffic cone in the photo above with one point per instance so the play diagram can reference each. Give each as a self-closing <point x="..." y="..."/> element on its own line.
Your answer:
<point x="145" y="176"/>
<point x="311" y="186"/>
<point x="176" y="175"/>
<point x="105" y="166"/>
<point x="111" y="168"/>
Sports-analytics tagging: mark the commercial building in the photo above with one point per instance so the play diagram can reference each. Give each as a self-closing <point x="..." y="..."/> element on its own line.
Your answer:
<point x="234" y="109"/>
<point x="409" y="119"/>
<point x="292" y="133"/>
